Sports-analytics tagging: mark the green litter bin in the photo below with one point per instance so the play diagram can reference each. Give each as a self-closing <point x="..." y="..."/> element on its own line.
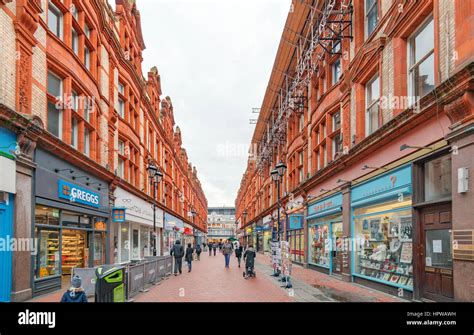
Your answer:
<point x="110" y="284"/>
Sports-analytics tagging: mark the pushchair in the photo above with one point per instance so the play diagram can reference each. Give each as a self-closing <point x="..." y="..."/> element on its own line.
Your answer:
<point x="249" y="272"/>
<point x="249" y="258"/>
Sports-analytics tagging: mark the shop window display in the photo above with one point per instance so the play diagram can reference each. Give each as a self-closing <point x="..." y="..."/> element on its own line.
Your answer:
<point x="48" y="259"/>
<point x="383" y="239"/>
<point x="319" y="244"/>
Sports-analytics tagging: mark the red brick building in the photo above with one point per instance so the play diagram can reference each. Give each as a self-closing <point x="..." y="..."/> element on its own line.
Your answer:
<point x="370" y="107"/>
<point x="87" y="125"/>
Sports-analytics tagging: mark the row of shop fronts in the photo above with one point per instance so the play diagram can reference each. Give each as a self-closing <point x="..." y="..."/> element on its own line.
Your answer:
<point x="75" y="224"/>
<point x="391" y="232"/>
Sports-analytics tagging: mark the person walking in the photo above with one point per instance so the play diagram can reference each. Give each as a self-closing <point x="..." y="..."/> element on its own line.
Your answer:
<point x="220" y="245"/>
<point x="198" y="252"/>
<point x="238" y="253"/>
<point x="209" y="244"/>
<point x="76" y="293"/>
<point x="189" y="256"/>
<point x="227" y="251"/>
<point x="214" y="247"/>
<point x="178" y="253"/>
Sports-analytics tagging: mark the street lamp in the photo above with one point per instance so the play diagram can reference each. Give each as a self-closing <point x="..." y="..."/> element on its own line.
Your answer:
<point x="155" y="176"/>
<point x="277" y="175"/>
<point x="244" y="214"/>
<point x="193" y="214"/>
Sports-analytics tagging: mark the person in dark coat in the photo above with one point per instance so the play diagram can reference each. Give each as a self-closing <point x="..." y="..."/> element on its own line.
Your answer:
<point x="198" y="252"/>
<point x="209" y="244"/>
<point x="214" y="247"/>
<point x="76" y="293"/>
<point x="238" y="253"/>
<point x="249" y="257"/>
<point x="189" y="256"/>
<point x="178" y="252"/>
<point x="220" y="245"/>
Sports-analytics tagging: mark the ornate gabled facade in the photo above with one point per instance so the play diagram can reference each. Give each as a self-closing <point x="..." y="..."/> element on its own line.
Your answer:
<point x="369" y="102"/>
<point x="85" y="124"/>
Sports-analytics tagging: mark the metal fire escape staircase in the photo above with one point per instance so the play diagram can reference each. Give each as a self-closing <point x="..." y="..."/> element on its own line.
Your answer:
<point x="327" y="27"/>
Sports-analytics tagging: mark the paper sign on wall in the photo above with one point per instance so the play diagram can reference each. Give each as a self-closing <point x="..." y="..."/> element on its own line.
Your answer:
<point x="437" y="246"/>
<point x="428" y="261"/>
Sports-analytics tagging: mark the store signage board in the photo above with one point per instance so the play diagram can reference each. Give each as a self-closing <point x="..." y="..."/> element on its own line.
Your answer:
<point x="173" y="223"/>
<point x="394" y="180"/>
<point x="138" y="210"/>
<point x="119" y="214"/>
<point x="77" y="194"/>
<point x="295" y="222"/>
<point x="326" y="205"/>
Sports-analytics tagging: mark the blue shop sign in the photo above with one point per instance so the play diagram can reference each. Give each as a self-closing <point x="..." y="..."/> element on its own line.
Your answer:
<point x="8" y="144"/>
<point x="327" y="206"/>
<point x="77" y="194"/>
<point x="295" y="221"/>
<point x="119" y="214"/>
<point x="391" y="184"/>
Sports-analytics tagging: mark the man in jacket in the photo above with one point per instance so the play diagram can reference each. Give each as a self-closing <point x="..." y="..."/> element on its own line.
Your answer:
<point x="238" y="253"/>
<point x="227" y="251"/>
<point x="178" y="253"/>
<point x="198" y="252"/>
<point x="189" y="256"/>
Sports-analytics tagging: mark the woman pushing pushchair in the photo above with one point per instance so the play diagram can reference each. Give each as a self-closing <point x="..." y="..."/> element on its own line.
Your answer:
<point x="249" y="258"/>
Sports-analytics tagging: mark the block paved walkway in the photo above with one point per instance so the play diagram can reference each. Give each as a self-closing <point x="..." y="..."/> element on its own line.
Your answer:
<point x="210" y="281"/>
<point x="310" y="285"/>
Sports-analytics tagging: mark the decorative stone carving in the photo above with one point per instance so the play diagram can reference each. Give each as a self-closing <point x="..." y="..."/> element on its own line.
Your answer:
<point x="460" y="109"/>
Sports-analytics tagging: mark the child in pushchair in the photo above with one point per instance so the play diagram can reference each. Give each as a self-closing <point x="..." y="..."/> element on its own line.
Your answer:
<point x="249" y="258"/>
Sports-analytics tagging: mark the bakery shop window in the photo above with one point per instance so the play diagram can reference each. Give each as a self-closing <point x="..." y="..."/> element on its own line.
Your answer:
<point x="383" y="243"/>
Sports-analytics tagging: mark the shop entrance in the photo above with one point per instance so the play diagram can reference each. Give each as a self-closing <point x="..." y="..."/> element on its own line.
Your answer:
<point x="336" y="237"/>
<point x="436" y="256"/>
<point x="6" y="230"/>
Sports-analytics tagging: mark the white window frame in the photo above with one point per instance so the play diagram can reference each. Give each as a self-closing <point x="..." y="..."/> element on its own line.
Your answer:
<point x="121" y="105"/>
<point x="60" y="111"/>
<point x="366" y="17"/>
<point x="75" y="132"/>
<point x="87" y="57"/>
<point x="87" y="141"/>
<point x="411" y="49"/>
<point x="333" y="121"/>
<point x="369" y="104"/>
<point x="60" y="16"/>
<point x="335" y="74"/>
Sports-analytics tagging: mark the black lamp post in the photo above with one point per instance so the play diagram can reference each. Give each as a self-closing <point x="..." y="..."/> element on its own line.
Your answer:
<point x="155" y="176"/>
<point x="277" y="175"/>
<point x="244" y="214"/>
<point x="193" y="214"/>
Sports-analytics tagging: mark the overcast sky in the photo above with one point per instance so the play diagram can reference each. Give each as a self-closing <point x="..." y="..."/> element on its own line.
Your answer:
<point x="215" y="58"/>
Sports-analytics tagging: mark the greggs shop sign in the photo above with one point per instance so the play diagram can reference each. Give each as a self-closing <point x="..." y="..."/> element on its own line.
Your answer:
<point x="77" y="194"/>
